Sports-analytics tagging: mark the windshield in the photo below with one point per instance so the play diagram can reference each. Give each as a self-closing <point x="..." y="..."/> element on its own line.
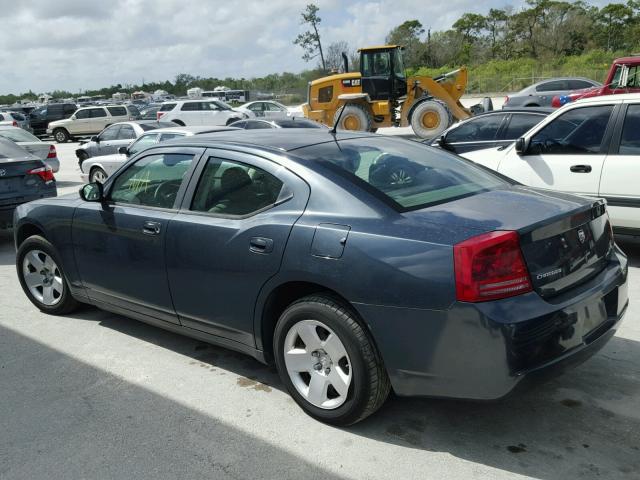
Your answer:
<point x="17" y="135"/>
<point x="406" y="175"/>
<point x="398" y="64"/>
<point x="221" y="105"/>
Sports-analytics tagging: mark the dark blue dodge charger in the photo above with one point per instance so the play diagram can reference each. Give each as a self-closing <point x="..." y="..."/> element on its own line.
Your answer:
<point x="356" y="263"/>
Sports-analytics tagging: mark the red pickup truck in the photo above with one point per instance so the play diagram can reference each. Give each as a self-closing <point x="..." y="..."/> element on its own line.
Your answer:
<point x="623" y="77"/>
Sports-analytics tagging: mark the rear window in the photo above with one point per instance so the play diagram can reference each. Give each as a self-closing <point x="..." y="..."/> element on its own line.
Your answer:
<point x="17" y="135"/>
<point x="301" y="123"/>
<point x="406" y="175"/>
<point x="167" y="107"/>
<point x="117" y="111"/>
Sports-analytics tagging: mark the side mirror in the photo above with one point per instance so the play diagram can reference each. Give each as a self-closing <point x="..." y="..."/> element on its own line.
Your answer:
<point x="92" y="192"/>
<point x="123" y="150"/>
<point x="73" y="117"/>
<point x="95" y="138"/>
<point x="521" y="146"/>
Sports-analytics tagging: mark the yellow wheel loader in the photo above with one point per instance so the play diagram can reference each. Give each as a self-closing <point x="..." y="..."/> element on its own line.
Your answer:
<point x="381" y="95"/>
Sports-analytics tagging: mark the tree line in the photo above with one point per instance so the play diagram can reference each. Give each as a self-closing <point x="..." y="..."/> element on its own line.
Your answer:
<point x="543" y="32"/>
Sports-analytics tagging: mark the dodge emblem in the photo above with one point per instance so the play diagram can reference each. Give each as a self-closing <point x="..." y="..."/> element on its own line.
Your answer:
<point x="581" y="236"/>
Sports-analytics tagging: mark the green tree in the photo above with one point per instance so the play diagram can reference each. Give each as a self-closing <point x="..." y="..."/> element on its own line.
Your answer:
<point x="408" y="35"/>
<point x="310" y="40"/>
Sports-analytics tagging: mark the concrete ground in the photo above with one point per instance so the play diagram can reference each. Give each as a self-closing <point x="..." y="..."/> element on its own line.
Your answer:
<point x="96" y="396"/>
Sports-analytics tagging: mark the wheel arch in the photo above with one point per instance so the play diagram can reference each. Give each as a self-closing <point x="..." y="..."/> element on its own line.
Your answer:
<point x="27" y="230"/>
<point x="283" y="295"/>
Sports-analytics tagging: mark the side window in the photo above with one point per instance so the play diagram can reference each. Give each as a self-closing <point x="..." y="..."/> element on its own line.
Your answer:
<point x="257" y="125"/>
<point x="167" y="107"/>
<point x="553" y="86"/>
<point x="81" y="114"/>
<point x="632" y="79"/>
<point x="325" y="94"/>
<point x="579" y="84"/>
<point x="578" y="131"/>
<point x="521" y="123"/>
<point x="190" y="106"/>
<point x="110" y="133"/>
<point x="152" y="181"/>
<point x="143" y="142"/>
<point x="256" y="107"/>
<point x="126" y="133"/>
<point x="1" y="117"/>
<point x="170" y="136"/>
<point x="272" y="107"/>
<point x="97" y="112"/>
<point x="630" y="141"/>
<point x="233" y="188"/>
<point x="477" y="129"/>
<point x="240" y="124"/>
<point x="117" y="111"/>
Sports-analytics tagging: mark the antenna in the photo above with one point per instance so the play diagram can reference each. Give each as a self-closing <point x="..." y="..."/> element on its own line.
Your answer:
<point x="335" y="124"/>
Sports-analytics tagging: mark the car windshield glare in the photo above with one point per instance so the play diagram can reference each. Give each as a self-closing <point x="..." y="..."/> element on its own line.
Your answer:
<point x="406" y="175"/>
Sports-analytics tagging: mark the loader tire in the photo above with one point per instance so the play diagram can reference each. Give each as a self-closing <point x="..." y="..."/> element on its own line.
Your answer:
<point x="355" y="117"/>
<point x="430" y="118"/>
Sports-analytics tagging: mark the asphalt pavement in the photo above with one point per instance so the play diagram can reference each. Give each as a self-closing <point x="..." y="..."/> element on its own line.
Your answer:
<point x="98" y="396"/>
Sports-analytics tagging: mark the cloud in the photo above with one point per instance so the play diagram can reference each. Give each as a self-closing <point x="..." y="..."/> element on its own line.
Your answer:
<point x="85" y="44"/>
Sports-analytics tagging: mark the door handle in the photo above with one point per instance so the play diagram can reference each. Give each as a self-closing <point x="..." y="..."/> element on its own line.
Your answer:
<point x="580" y="168"/>
<point x="261" y="245"/>
<point x="151" y="228"/>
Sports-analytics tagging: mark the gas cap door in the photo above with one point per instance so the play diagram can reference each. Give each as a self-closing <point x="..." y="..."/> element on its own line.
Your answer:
<point x="329" y="240"/>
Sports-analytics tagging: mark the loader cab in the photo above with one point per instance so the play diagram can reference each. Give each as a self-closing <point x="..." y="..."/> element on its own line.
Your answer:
<point x="382" y="70"/>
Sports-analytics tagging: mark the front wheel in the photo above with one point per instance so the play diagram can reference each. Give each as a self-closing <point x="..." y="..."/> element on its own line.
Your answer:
<point x="328" y="363"/>
<point x="42" y="278"/>
<point x="430" y="118"/>
<point x="353" y="117"/>
<point x="61" y="135"/>
<point x="97" y="175"/>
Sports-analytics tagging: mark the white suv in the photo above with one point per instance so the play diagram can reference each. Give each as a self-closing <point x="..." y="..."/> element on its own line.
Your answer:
<point x="90" y="121"/>
<point x="589" y="147"/>
<point x="198" y="112"/>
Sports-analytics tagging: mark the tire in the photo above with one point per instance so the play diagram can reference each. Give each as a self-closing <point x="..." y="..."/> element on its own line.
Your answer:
<point x="355" y="117"/>
<point x="231" y="120"/>
<point x="321" y="318"/>
<point x="61" y="135"/>
<point x="52" y="295"/>
<point x="179" y="122"/>
<point x="97" y="175"/>
<point x="430" y="118"/>
<point x="487" y="104"/>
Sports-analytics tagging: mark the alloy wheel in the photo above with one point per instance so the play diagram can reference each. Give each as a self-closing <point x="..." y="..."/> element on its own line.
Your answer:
<point x="317" y="364"/>
<point x="43" y="277"/>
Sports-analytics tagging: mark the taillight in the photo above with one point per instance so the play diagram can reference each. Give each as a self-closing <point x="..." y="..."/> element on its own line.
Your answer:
<point x="489" y="267"/>
<point x="52" y="152"/>
<point x="45" y="173"/>
<point x="14" y="123"/>
<point x="506" y="100"/>
<point x="158" y="115"/>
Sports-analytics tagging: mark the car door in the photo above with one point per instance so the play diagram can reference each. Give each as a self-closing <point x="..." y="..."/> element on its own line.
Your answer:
<point x="546" y="91"/>
<point x="228" y="239"/>
<point x="106" y="140"/>
<point x="190" y="113"/>
<point x="621" y="171"/>
<point x="566" y="153"/>
<point x="80" y="123"/>
<point x="119" y="244"/>
<point x="99" y="119"/>
<point x="474" y="134"/>
<point x="212" y="114"/>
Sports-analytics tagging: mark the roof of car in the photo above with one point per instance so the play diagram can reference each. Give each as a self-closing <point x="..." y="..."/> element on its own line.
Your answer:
<point x="623" y="97"/>
<point x="285" y="139"/>
<point x="192" y="129"/>
<point x="544" y="110"/>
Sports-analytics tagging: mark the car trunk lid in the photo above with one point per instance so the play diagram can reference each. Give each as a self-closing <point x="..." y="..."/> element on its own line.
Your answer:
<point x="15" y="180"/>
<point x="565" y="239"/>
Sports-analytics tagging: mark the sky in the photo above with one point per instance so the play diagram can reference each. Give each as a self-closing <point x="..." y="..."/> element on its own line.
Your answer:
<point x="75" y="45"/>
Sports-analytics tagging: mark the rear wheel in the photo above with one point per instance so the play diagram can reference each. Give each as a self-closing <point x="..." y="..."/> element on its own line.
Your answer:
<point x="61" y="135"/>
<point x="430" y="118"/>
<point x="354" y="117"/>
<point x="97" y="175"/>
<point x="179" y="122"/>
<point x="328" y="363"/>
<point x="42" y="278"/>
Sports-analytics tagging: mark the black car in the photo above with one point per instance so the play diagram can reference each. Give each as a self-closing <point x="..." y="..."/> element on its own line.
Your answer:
<point x="42" y="116"/>
<point x="309" y="249"/>
<point x="23" y="177"/>
<point x="257" y="124"/>
<point x="491" y="129"/>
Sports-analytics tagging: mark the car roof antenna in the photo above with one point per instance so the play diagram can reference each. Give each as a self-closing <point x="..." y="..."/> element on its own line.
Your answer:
<point x="337" y="122"/>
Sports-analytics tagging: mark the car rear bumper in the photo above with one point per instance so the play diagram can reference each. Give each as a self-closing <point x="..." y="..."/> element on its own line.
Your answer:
<point x="484" y="351"/>
<point x="8" y="207"/>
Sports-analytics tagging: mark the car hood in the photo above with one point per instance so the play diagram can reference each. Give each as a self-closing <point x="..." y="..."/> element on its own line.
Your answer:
<point x="60" y="123"/>
<point x="90" y="162"/>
